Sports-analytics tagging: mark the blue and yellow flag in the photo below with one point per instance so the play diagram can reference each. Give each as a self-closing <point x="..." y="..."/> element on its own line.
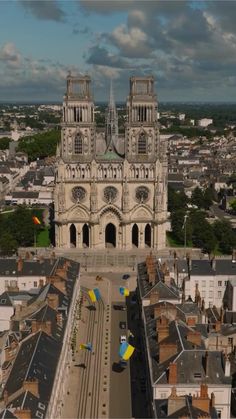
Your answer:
<point x="87" y="346"/>
<point x="126" y="350"/>
<point x="124" y="291"/>
<point x="94" y="295"/>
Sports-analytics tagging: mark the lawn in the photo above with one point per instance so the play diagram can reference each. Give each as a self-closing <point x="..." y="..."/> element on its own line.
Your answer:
<point x="171" y="241"/>
<point x="43" y="238"/>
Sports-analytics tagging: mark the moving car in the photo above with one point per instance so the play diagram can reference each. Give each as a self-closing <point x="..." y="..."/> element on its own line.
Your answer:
<point x="122" y="325"/>
<point x="123" y="363"/>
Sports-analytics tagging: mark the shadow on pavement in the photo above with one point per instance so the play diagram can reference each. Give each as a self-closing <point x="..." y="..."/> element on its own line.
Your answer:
<point x="116" y="367"/>
<point x="91" y="308"/>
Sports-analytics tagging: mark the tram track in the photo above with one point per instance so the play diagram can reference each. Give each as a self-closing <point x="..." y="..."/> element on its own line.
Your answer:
<point x="89" y="400"/>
<point x="83" y="395"/>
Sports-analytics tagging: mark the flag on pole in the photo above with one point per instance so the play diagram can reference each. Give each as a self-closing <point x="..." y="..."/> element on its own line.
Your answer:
<point x="126" y="350"/>
<point x="36" y="220"/>
<point x="94" y="295"/>
<point x="124" y="291"/>
<point x="87" y="346"/>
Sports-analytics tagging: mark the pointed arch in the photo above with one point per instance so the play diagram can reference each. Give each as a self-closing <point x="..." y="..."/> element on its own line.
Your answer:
<point x="85" y="235"/>
<point x="73" y="235"/>
<point x="148" y="235"/>
<point x="135" y="234"/>
<point x="110" y="235"/>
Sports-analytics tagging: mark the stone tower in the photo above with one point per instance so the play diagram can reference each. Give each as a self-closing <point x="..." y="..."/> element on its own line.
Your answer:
<point x="111" y="199"/>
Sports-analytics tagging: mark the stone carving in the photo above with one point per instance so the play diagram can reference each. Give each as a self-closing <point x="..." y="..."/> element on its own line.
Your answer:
<point x="142" y="194"/>
<point x="110" y="194"/>
<point x="78" y="194"/>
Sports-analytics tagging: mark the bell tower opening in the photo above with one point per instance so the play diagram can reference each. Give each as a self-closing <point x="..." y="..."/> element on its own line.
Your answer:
<point x="72" y="236"/>
<point x="135" y="235"/>
<point x="85" y="233"/>
<point x="147" y="235"/>
<point x="110" y="235"/>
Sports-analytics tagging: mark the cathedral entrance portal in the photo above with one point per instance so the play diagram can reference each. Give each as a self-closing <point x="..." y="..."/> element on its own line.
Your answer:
<point x="85" y="235"/>
<point x="148" y="235"/>
<point x="72" y="236"/>
<point x="110" y="235"/>
<point x="135" y="235"/>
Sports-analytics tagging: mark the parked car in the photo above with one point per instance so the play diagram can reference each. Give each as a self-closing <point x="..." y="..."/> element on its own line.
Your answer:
<point x="119" y="307"/>
<point x="123" y="339"/>
<point x="122" y="325"/>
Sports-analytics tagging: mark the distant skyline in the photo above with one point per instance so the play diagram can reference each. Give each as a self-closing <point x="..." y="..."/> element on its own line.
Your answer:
<point x="188" y="46"/>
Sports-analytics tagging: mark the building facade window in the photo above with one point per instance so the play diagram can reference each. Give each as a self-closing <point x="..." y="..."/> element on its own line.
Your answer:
<point x="211" y="284"/>
<point x="219" y="283"/>
<point x="142" y="144"/>
<point x="78" y="144"/>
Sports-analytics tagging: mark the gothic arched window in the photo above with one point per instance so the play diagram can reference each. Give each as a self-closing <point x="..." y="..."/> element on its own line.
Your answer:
<point x="78" y="144"/>
<point x="142" y="144"/>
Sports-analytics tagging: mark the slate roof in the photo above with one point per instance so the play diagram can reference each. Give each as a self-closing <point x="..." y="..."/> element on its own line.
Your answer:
<point x="28" y="401"/>
<point x="7" y="414"/>
<point x="225" y="267"/>
<point x="201" y="267"/>
<point x="188" y="411"/>
<point x="5" y="300"/>
<point x="36" y="359"/>
<point x="8" y="267"/>
<point x="25" y="194"/>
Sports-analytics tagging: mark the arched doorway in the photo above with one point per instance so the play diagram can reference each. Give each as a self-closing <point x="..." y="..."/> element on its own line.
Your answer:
<point x="110" y="235"/>
<point x="135" y="235"/>
<point x="85" y="235"/>
<point x="147" y="235"/>
<point x="72" y="236"/>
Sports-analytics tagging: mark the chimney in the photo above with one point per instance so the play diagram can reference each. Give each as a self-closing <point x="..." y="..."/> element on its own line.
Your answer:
<point x="202" y="402"/>
<point x="191" y="321"/>
<point x="166" y="351"/>
<point x="23" y="413"/>
<point x="53" y="301"/>
<point x="213" y="400"/>
<point x="218" y="326"/>
<point x="162" y="328"/>
<point x="32" y="387"/>
<point x="175" y="402"/>
<point x="172" y="378"/>
<point x="194" y="337"/>
<point x="20" y="264"/>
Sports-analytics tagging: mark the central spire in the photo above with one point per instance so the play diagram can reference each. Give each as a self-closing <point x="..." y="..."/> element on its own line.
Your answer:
<point x="111" y="123"/>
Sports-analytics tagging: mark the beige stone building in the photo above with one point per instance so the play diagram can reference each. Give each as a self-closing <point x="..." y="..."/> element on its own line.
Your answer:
<point x="111" y="190"/>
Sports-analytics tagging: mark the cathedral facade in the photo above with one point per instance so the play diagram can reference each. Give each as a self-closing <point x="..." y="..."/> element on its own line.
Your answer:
<point x="111" y="189"/>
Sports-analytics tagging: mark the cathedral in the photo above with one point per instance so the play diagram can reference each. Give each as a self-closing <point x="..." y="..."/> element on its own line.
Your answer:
<point x="111" y="188"/>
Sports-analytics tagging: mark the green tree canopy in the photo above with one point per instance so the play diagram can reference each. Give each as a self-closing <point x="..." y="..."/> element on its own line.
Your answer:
<point x="225" y="235"/>
<point x="40" y="145"/>
<point x="4" y="143"/>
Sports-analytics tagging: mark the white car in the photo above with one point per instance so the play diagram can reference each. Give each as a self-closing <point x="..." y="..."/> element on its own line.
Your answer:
<point x="123" y="339"/>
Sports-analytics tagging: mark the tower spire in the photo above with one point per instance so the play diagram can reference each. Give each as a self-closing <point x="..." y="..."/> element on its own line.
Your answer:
<point x="111" y="123"/>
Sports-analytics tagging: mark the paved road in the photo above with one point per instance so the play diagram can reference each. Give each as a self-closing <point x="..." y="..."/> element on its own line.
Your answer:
<point x="120" y="393"/>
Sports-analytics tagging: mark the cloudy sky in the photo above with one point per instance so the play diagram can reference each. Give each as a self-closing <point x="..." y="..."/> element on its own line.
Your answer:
<point x="189" y="47"/>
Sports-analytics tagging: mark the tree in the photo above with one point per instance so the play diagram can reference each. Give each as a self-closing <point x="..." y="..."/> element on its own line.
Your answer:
<point x="225" y="235"/>
<point x="232" y="205"/>
<point x="8" y="244"/>
<point x="176" y="199"/>
<point x="4" y="143"/>
<point x="208" y="197"/>
<point x="197" y="197"/>
<point x="40" y="145"/>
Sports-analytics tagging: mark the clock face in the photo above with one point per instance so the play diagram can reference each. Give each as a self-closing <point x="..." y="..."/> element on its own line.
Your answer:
<point x="110" y="194"/>
<point x="78" y="194"/>
<point x="142" y="194"/>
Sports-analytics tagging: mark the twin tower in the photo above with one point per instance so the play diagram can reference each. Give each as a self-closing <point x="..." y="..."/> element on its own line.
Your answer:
<point x="111" y="189"/>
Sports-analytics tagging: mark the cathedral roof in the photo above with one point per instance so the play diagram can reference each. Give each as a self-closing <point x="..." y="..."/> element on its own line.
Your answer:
<point x="109" y="155"/>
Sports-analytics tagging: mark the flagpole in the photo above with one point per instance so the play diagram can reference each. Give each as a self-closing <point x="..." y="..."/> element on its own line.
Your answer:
<point x="34" y="237"/>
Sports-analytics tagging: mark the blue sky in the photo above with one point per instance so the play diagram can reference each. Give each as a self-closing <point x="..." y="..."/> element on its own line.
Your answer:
<point x="189" y="47"/>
